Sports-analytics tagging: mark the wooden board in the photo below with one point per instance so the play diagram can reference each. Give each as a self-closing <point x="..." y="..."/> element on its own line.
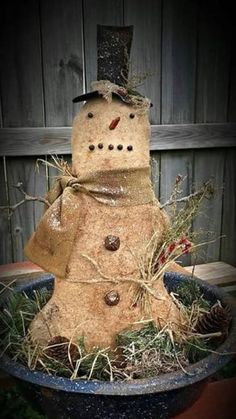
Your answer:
<point x="62" y="59"/>
<point x="24" y="220"/>
<point x="209" y="166"/>
<point x="216" y="273"/>
<point x="178" y="61"/>
<point x="189" y="136"/>
<point x="232" y="83"/>
<point x="21" y="73"/>
<point x="146" y="61"/>
<point x="213" y="62"/>
<point x="156" y="172"/>
<point x="229" y="209"/>
<point x="172" y="165"/>
<point x="217" y="401"/>
<point x="20" y="272"/>
<point x="5" y="231"/>
<point x="56" y="140"/>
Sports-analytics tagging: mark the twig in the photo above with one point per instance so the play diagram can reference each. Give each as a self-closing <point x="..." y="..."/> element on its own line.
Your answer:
<point x="7" y="286"/>
<point x="27" y="198"/>
<point x="184" y="198"/>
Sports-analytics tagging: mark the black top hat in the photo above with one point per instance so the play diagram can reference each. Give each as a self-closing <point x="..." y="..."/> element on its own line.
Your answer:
<point x="113" y="53"/>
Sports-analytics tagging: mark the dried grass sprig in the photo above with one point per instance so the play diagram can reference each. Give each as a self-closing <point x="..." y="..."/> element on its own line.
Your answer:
<point x="178" y="240"/>
<point x="58" y="163"/>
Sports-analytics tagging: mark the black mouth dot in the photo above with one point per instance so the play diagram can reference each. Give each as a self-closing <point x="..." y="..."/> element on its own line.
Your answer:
<point x="130" y="148"/>
<point x="120" y="147"/>
<point x="91" y="147"/>
<point x="100" y="145"/>
<point x="111" y="146"/>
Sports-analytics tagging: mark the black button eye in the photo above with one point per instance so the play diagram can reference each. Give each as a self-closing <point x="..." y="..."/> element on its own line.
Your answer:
<point x="90" y="115"/>
<point x="131" y="115"/>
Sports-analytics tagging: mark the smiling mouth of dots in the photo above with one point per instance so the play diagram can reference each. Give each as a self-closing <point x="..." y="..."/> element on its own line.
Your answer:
<point x="100" y="146"/>
<point x="112" y="126"/>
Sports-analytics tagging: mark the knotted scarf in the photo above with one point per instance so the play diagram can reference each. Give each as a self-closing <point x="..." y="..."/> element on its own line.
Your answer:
<point x="51" y="245"/>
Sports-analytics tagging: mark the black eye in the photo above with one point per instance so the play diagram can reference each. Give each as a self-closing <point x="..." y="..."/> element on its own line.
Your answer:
<point x="90" y="115"/>
<point x="131" y="115"/>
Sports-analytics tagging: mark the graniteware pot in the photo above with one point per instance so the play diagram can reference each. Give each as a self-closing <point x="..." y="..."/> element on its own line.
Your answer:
<point x="159" y="397"/>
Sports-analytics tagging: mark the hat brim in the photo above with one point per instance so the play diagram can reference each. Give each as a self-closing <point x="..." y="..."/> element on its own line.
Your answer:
<point x="95" y="94"/>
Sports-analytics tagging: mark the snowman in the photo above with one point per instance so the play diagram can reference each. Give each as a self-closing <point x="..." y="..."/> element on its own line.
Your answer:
<point x="102" y="217"/>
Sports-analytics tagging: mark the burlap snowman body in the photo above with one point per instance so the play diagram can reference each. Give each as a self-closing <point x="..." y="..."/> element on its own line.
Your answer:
<point x="95" y="232"/>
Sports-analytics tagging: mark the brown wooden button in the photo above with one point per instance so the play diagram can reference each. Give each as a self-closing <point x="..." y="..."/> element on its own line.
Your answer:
<point x="112" y="298"/>
<point x="112" y="243"/>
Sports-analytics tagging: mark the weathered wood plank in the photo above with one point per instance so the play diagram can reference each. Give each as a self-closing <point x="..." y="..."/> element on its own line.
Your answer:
<point x="62" y="58"/>
<point x="24" y="220"/>
<point x="5" y="230"/>
<point x="56" y="140"/>
<point x="102" y="12"/>
<point x="156" y="172"/>
<point x="21" y="73"/>
<point x="209" y="165"/>
<point x="232" y="84"/>
<point x="35" y="141"/>
<point x="216" y="273"/>
<point x="189" y="136"/>
<point x="178" y="61"/>
<point x="40" y="186"/>
<point x="19" y="272"/>
<point x="173" y="164"/>
<point x="146" y="60"/>
<point x="228" y="246"/>
<point x="213" y="62"/>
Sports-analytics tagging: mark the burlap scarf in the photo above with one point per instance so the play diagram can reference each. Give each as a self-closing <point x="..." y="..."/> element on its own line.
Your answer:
<point x="51" y="244"/>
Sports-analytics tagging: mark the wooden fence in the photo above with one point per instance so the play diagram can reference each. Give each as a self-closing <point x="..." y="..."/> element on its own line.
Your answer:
<point x="48" y="56"/>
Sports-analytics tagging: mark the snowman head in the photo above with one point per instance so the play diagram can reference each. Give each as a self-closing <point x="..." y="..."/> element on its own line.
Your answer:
<point x="110" y="135"/>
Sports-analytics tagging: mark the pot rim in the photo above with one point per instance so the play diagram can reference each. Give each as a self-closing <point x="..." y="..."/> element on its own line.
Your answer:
<point x="165" y="382"/>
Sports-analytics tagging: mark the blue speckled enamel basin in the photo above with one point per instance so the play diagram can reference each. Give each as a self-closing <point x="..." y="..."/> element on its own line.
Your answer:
<point x="159" y="398"/>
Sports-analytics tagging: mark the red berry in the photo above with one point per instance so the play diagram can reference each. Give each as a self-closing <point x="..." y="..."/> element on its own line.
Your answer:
<point x="184" y="240"/>
<point x="171" y="247"/>
<point x="187" y="248"/>
<point x="162" y="259"/>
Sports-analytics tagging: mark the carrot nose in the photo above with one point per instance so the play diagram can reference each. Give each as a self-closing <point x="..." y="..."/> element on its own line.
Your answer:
<point x="114" y="123"/>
